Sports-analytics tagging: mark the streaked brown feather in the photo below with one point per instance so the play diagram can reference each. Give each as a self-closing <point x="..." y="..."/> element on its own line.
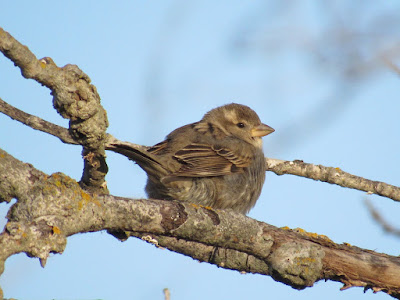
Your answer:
<point x="157" y="148"/>
<point x="201" y="160"/>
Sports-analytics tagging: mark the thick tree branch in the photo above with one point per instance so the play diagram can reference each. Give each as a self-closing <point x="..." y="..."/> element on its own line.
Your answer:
<point x="55" y="207"/>
<point x="74" y="98"/>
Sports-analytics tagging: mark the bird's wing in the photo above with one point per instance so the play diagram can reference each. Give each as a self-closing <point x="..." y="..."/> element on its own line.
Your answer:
<point x="158" y="148"/>
<point x="201" y="160"/>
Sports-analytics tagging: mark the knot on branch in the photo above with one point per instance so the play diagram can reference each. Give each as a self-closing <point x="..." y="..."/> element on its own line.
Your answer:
<point x="173" y="216"/>
<point x="76" y="99"/>
<point x="36" y="239"/>
<point x="297" y="264"/>
<point x="73" y="96"/>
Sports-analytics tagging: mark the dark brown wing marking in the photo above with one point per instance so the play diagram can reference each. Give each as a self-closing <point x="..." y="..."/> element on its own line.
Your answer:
<point x="201" y="160"/>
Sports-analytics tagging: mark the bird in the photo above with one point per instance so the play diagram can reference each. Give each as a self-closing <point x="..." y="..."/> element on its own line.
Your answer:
<point x="217" y="162"/>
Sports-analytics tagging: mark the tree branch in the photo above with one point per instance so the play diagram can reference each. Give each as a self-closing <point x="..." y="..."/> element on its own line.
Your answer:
<point x="229" y="240"/>
<point x="380" y="220"/>
<point x="74" y="98"/>
<point x="36" y="123"/>
<point x="334" y="176"/>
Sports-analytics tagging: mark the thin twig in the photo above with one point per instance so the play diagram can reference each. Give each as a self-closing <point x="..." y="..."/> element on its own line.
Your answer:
<point x="333" y="175"/>
<point x="36" y="122"/>
<point x="386" y="226"/>
<point x="391" y="65"/>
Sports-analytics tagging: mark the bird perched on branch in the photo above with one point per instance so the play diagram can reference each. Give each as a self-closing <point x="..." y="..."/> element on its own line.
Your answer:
<point x="216" y="162"/>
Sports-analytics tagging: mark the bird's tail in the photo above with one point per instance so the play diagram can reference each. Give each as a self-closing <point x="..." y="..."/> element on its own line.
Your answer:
<point x="139" y="154"/>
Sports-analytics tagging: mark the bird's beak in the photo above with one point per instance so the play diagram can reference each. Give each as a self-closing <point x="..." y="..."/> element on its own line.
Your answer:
<point x="261" y="130"/>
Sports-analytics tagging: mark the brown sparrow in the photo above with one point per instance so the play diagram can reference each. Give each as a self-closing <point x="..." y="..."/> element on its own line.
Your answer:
<point x="216" y="162"/>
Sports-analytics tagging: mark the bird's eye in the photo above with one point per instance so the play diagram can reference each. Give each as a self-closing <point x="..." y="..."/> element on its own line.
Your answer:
<point x="240" y="125"/>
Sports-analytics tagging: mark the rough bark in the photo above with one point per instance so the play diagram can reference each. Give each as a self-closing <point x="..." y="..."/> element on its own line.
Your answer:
<point x="75" y="99"/>
<point x="51" y="208"/>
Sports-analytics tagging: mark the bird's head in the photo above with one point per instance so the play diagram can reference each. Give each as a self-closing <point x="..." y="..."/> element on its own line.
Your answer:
<point x="239" y="121"/>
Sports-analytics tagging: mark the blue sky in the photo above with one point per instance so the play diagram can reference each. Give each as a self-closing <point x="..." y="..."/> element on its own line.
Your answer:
<point x="160" y="65"/>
